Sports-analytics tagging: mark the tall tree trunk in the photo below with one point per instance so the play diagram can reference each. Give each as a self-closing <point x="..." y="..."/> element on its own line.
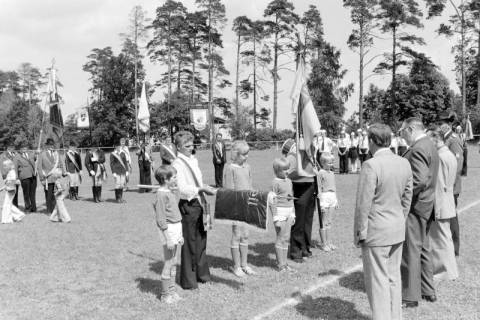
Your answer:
<point x="237" y="75"/>
<point x="192" y="94"/>
<point x="210" y="72"/>
<point x="169" y="97"/>
<point x="478" y="69"/>
<point x="255" y="84"/>
<point x="360" y="93"/>
<point x="275" y="78"/>
<point x="462" y="65"/>
<point x="394" y="70"/>
<point x="179" y="73"/>
<point x="135" y="76"/>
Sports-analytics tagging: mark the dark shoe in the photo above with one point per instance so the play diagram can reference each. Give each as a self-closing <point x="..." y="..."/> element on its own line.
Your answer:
<point x="76" y="193"/>
<point x="297" y="260"/>
<point x="409" y="304"/>
<point x="307" y="254"/>
<point x="431" y="298"/>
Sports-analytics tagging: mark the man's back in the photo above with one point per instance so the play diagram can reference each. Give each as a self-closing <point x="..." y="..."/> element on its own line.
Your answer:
<point x="423" y="158"/>
<point x="384" y="195"/>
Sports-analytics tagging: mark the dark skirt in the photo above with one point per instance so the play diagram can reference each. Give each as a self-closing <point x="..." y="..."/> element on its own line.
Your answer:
<point x="353" y="153"/>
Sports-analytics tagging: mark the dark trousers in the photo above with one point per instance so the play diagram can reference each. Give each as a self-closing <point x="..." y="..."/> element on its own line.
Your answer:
<point x="363" y="157"/>
<point x="301" y="235"/>
<point x="15" y="198"/>
<point x="194" y="264"/>
<point x="29" y="186"/>
<point x="465" y="161"/>
<point x="417" y="262"/>
<point x="455" y="228"/>
<point x="219" y="174"/>
<point x="145" y="174"/>
<point x="343" y="163"/>
<point x="50" y="197"/>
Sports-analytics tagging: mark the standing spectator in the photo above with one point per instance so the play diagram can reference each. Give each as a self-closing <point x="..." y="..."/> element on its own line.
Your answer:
<point x="125" y="150"/>
<point x="453" y="142"/>
<point x="394" y="144"/>
<point x="28" y="177"/>
<point x="444" y="264"/>
<point x="384" y="195"/>
<point x="353" y="152"/>
<point x="363" y="147"/>
<point x="10" y="212"/>
<point x="119" y="167"/>
<point x="463" y="139"/>
<point x="60" y="213"/>
<point x="48" y="161"/>
<point x="145" y="162"/>
<point x="304" y="191"/>
<point x="219" y="159"/>
<point x="343" y="146"/>
<point x="323" y="144"/>
<point x="417" y="266"/>
<point x="194" y="265"/>
<point x="73" y="165"/>
<point x="95" y="164"/>
<point x="10" y="155"/>
<point x="168" y="153"/>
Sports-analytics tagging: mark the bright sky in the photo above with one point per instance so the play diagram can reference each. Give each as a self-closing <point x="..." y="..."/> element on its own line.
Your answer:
<point x="37" y="31"/>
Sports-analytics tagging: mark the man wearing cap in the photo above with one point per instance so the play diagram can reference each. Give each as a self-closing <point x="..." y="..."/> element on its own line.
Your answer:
<point x="27" y="175"/>
<point x="10" y="155"/>
<point x="49" y="160"/>
<point x="454" y="143"/>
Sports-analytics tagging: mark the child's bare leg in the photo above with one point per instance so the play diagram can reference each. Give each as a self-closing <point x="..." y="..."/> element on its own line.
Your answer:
<point x="235" y="250"/>
<point x="244" y="251"/>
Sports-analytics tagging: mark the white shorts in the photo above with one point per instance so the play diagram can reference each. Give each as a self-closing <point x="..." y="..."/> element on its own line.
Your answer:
<point x="283" y="213"/>
<point x="328" y="199"/>
<point x="174" y="231"/>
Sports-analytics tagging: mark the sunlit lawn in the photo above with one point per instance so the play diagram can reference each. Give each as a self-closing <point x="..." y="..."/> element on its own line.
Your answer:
<point x="106" y="264"/>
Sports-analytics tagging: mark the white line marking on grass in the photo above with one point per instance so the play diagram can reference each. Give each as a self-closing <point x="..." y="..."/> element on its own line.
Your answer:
<point x="326" y="282"/>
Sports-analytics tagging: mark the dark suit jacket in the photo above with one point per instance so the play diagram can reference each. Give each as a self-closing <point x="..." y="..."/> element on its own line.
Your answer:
<point x="424" y="160"/>
<point x="91" y="165"/>
<point x="25" y="167"/>
<point x="219" y="156"/>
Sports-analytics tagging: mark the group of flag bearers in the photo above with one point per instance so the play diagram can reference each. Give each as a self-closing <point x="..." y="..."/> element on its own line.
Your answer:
<point x="60" y="177"/>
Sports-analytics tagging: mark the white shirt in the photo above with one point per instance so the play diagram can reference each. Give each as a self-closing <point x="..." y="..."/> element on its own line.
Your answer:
<point x="327" y="144"/>
<point x="343" y="142"/>
<point x="364" y="142"/>
<point x="186" y="183"/>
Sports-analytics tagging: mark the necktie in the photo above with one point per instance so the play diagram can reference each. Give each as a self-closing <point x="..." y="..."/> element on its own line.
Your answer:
<point x="322" y="148"/>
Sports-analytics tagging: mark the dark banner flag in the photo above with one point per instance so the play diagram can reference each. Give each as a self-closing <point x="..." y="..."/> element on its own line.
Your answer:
<point x="244" y="206"/>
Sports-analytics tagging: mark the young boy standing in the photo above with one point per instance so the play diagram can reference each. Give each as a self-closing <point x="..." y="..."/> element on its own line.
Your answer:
<point x="119" y="167"/>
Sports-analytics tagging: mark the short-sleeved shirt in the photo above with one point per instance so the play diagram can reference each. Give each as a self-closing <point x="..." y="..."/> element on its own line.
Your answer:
<point x="237" y="177"/>
<point x="166" y="208"/>
<point x="326" y="181"/>
<point x="283" y="188"/>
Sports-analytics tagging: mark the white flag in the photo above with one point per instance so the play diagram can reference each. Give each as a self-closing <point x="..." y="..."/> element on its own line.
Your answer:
<point x="143" y="112"/>
<point x="83" y="120"/>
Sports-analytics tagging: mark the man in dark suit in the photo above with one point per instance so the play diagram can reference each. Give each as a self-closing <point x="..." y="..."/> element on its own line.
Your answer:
<point x="27" y="175"/>
<point x="455" y="144"/>
<point x="10" y="155"/>
<point x="48" y="161"/>
<point x="417" y="266"/>
<point x="219" y="159"/>
<point x="384" y="196"/>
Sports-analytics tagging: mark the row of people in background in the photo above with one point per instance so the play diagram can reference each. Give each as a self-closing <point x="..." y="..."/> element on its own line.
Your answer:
<point x="30" y="167"/>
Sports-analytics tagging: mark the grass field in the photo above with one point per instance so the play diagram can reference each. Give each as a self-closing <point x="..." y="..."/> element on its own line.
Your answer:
<point x="106" y="264"/>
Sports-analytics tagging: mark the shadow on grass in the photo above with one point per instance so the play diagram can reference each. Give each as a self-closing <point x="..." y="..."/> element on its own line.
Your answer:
<point x="150" y="286"/>
<point x="354" y="281"/>
<point x="331" y="272"/>
<point x="328" y="308"/>
<point x="261" y="258"/>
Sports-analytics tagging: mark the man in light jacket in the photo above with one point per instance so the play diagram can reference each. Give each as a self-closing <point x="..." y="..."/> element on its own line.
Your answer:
<point x="383" y="200"/>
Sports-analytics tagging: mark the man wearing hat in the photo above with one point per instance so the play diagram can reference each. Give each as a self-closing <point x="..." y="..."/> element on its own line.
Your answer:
<point x="73" y="164"/>
<point x="119" y="167"/>
<point x="454" y="143"/>
<point x="27" y="174"/>
<point x="49" y="161"/>
<point x="10" y="155"/>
